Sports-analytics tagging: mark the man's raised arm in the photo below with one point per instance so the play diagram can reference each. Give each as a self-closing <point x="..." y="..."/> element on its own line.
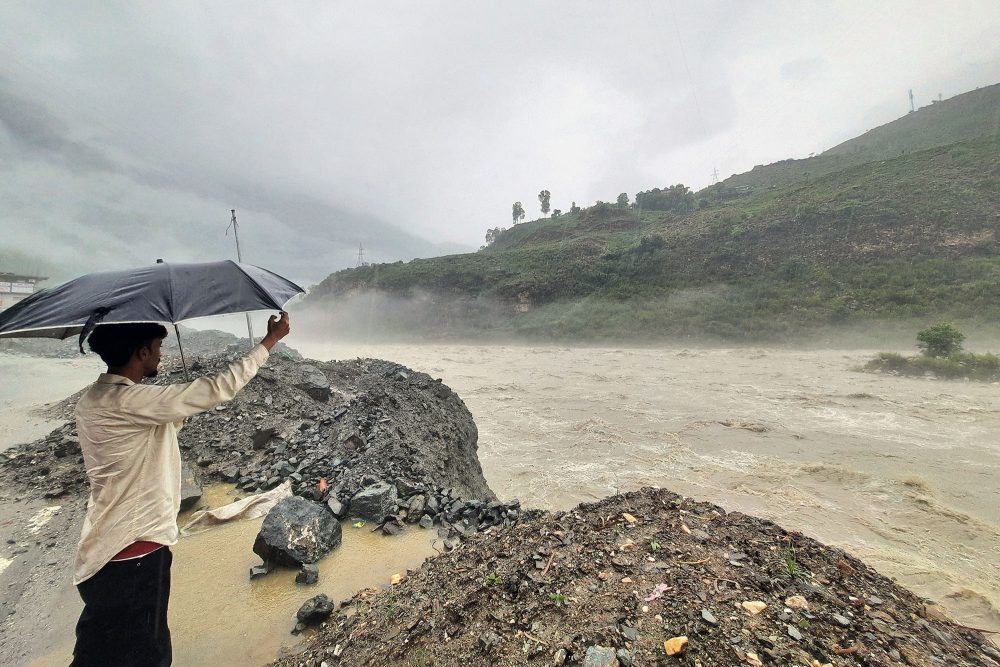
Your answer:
<point x="154" y="404"/>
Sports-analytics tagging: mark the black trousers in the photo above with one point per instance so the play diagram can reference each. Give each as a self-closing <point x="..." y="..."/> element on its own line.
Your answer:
<point x="124" y="619"/>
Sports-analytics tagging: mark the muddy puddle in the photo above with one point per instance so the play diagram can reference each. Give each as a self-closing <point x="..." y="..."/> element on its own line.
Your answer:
<point x="219" y="617"/>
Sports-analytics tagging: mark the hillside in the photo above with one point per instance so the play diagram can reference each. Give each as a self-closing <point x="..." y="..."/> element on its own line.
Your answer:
<point x="882" y="227"/>
<point x="960" y="118"/>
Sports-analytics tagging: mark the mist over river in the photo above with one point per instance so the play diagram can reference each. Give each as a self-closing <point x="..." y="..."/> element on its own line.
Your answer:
<point x="902" y="472"/>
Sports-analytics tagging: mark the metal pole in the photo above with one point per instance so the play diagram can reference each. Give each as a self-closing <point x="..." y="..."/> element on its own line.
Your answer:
<point x="239" y="258"/>
<point x="177" y="331"/>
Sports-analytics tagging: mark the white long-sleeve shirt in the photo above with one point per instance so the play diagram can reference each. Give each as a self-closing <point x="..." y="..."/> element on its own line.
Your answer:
<point x="128" y="436"/>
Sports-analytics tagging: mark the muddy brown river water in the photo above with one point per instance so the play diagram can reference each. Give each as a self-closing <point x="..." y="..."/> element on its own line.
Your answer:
<point x="902" y="472"/>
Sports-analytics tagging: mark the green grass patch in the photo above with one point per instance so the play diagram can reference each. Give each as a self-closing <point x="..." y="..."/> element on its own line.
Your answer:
<point x="959" y="365"/>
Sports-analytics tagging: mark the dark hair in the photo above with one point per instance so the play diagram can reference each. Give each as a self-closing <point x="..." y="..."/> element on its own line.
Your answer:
<point x="116" y="343"/>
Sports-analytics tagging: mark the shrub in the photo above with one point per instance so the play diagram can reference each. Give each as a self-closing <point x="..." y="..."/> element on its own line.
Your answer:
<point x="940" y="340"/>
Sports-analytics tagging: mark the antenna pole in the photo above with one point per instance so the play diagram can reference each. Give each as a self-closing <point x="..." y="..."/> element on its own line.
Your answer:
<point x="239" y="258"/>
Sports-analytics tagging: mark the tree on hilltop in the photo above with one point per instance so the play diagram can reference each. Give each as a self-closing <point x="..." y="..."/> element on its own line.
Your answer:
<point x="673" y="198"/>
<point x="544" y="197"/>
<point x="574" y="208"/>
<point x="493" y="234"/>
<point x="623" y="200"/>
<point x="517" y="212"/>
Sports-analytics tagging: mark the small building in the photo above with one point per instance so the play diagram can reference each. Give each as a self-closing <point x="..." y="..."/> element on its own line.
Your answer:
<point x="16" y="286"/>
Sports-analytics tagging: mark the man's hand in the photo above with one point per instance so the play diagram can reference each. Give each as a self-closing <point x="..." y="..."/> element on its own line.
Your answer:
<point x="277" y="328"/>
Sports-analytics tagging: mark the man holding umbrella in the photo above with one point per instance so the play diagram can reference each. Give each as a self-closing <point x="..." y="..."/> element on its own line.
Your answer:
<point x="128" y="436"/>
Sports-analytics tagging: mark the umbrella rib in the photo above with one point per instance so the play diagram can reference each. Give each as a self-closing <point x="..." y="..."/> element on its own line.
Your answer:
<point x="259" y="289"/>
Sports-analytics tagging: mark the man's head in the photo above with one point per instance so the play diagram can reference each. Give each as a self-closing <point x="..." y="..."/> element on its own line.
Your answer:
<point x="120" y="345"/>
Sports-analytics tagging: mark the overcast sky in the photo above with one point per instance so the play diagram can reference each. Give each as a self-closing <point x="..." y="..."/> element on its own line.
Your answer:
<point x="128" y="130"/>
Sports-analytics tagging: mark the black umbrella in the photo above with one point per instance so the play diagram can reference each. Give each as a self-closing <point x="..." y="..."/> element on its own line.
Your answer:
<point x="162" y="292"/>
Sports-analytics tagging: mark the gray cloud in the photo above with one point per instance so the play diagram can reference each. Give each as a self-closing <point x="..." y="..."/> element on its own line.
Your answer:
<point x="36" y="133"/>
<point x="128" y="131"/>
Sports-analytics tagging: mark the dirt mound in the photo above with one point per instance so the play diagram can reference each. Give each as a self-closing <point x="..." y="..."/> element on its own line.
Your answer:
<point x="348" y="423"/>
<point x="609" y="583"/>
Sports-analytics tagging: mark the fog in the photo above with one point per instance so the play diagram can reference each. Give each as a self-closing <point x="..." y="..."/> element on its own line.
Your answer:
<point x="128" y="132"/>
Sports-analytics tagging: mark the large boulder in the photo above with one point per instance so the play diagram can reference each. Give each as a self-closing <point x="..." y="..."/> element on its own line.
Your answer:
<point x="375" y="502"/>
<point x="297" y="531"/>
<point x="313" y="381"/>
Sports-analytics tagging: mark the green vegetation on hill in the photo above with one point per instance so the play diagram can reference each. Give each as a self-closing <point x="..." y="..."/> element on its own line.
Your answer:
<point x="960" y="118"/>
<point x="914" y="235"/>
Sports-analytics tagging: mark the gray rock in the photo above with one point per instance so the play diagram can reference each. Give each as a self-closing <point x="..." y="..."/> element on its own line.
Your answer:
<point x="314" y="382"/>
<point x="393" y="527"/>
<point x="297" y="531"/>
<point x="842" y="621"/>
<point x="426" y="521"/>
<point x="600" y="656"/>
<point x="190" y="488"/>
<point x="793" y="632"/>
<point x="489" y="640"/>
<point x="625" y="657"/>
<point x="407" y="487"/>
<point x="315" y="610"/>
<point x="262" y="437"/>
<point x="258" y="571"/>
<point x="415" y="508"/>
<point x="375" y="502"/>
<point x="337" y="507"/>
<point x="559" y="658"/>
<point x="708" y="617"/>
<point x="309" y="574"/>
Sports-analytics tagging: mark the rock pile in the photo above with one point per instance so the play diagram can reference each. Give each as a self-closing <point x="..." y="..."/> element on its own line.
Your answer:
<point x="644" y="578"/>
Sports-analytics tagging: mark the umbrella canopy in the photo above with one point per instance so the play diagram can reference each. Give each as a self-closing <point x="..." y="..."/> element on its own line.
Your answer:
<point x="162" y="292"/>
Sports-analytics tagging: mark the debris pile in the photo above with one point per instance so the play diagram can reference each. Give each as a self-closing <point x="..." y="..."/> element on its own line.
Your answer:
<point x="644" y="578"/>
